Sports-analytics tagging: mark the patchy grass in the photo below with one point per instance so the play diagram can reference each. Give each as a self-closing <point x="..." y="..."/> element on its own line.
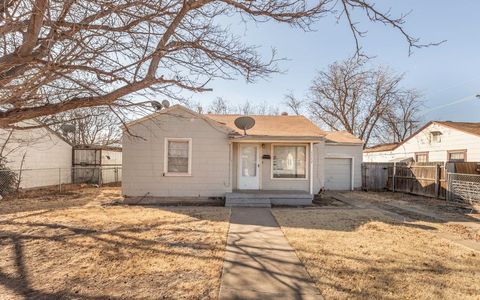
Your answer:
<point x="110" y="252"/>
<point x="38" y="199"/>
<point x="363" y="253"/>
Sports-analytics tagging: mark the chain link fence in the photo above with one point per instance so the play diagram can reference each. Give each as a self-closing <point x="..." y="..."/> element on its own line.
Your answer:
<point x="60" y="179"/>
<point x="464" y="188"/>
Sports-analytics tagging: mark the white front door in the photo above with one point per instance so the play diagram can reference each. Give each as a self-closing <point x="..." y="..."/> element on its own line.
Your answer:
<point x="249" y="167"/>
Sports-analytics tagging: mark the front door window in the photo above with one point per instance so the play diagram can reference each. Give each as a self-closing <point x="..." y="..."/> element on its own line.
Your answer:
<point x="249" y="178"/>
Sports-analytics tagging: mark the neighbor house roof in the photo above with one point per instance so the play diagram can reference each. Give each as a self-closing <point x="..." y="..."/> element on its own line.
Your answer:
<point x="342" y="137"/>
<point x="469" y="127"/>
<point x="273" y="126"/>
<point x="381" y="148"/>
<point x="98" y="147"/>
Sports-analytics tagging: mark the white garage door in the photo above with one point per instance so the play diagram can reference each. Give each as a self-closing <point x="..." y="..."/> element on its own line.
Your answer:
<point x="338" y="174"/>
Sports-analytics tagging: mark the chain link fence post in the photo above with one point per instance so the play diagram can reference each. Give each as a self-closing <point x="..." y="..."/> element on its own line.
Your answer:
<point x="60" y="180"/>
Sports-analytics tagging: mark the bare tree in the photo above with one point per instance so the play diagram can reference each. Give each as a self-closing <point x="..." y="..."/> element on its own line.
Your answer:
<point x="294" y="104"/>
<point x="220" y="106"/>
<point x="401" y="120"/>
<point x="195" y="106"/>
<point x="59" y="55"/>
<point x="92" y="126"/>
<point x="353" y="97"/>
<point x="251" y="108"/>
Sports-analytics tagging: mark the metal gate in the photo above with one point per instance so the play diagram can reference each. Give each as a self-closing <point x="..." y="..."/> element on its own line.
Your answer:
<point x="464" y="188"/>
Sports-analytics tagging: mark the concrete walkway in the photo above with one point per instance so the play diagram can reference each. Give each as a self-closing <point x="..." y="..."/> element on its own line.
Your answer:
<point x="259" y="261"/>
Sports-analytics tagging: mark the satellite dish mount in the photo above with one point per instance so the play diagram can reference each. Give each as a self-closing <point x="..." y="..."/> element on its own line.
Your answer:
<point x="244" y="123"/>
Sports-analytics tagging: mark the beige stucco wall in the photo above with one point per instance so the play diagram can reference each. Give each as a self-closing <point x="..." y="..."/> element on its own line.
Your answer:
<point x="143" y="159"/>
<point x="348" y="151"/>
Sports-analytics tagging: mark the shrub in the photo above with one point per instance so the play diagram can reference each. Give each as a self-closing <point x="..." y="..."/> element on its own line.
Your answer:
<point x="8" y="179"/>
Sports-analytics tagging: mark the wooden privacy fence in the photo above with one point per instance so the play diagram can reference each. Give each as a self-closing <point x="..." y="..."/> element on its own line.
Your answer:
<point x="426" y="179"/>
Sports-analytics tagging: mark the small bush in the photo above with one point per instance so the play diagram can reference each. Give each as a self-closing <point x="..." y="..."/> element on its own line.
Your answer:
<point x="8" y="179"/>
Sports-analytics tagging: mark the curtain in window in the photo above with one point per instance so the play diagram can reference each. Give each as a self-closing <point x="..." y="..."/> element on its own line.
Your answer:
<point x="177" y="157"/>
<point x="457" y="156"/>
<point x="289" y="161"/>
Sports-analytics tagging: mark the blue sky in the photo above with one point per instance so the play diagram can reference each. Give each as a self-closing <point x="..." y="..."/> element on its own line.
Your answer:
<point x="444" y="74"/>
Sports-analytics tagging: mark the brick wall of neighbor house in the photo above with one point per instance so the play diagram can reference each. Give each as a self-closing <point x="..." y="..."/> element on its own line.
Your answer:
<point x="143" y="160"/>
<point x="355" y="151"/>
<point x="451" y="139"/>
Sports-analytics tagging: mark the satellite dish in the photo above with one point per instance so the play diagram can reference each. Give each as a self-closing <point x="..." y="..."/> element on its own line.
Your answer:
<point x="166" y="103"/>
<point x="244" y="123"/>
<point x="156" y="105"/>
<point x="67" y="128"/>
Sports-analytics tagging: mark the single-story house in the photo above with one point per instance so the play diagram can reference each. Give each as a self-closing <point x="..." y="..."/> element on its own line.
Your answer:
<point x="38" y="152"/>
<point x="177" y="152"/>
<point x="437" y="141"/>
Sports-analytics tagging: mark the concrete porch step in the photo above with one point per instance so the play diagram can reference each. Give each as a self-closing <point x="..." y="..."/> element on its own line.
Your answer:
<point x="267" y="198"/>
<point x="247" y="202"/>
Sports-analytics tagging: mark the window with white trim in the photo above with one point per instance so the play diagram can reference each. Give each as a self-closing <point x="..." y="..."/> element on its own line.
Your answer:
<point x="178" y="156"/>
<point x="289" y="161"/>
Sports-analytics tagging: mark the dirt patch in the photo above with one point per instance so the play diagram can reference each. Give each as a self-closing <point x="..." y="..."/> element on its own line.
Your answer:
<point x="112" y="252"/>
<point x="326" y="201"/>
<point x="365" y="254"/>
<point x="435" y="205"/>
<point x="48" y="199"/>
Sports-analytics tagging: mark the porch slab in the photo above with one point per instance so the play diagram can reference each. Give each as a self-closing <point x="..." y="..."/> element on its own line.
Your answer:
<point x="266" y="198"/>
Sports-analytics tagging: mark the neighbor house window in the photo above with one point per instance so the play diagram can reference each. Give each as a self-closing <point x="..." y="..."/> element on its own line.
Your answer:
<point x="178" y="156"/>
<point x="421" y="157"/>
<point x="457" y="156"/>
<point x="289" y="161"/>
<point x="436" y="136"/>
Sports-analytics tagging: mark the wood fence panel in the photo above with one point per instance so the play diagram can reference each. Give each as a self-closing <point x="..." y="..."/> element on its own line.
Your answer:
<point x="375" y="176"/>
<point x="426" y="179"/>
<point x="467" y="168"/>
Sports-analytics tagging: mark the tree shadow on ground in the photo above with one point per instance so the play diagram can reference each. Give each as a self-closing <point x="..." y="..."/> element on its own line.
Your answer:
<point x="30" y="242"/>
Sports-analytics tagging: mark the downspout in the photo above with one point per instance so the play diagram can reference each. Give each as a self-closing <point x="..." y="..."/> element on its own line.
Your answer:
<point x="311" y="168"/>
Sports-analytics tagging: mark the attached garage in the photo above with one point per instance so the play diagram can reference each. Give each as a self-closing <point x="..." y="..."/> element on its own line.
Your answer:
<point x="343" y="162"/>
<point x="338" y="174"/>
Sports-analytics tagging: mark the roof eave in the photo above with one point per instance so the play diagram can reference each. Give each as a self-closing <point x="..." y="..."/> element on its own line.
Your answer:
<point x="274" y="138"/>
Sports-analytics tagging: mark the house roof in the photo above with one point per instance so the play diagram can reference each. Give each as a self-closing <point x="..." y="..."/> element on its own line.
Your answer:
<point x="469" y="127"/>
<point x="381" y="148"/>
<point x="170" y="111"/>
<point x="98" y="147"/>
<point x="273" y="126"/>
<point x="342" y="137"/>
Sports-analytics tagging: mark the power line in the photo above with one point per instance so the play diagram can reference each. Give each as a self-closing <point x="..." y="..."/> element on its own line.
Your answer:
<point x="461" y="100"/>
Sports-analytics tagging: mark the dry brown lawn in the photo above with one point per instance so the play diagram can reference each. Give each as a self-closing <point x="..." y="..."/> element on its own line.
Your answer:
<point x="79" y="251"/>
<point x="365" y="254"/>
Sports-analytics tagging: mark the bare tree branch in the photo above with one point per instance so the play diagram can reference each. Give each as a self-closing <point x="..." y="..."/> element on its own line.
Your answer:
<point x="61" y="55"/>
<point x="368" y="102"/>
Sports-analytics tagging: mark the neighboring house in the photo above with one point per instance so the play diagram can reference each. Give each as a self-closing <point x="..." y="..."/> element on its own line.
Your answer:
<point x="179" y="153"/>
<point x="437" y="141"/>
<point x="38" y="153"/>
